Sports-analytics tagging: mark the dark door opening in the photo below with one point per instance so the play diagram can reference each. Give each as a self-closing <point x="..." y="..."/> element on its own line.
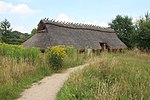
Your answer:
<point x="104" y="46"/>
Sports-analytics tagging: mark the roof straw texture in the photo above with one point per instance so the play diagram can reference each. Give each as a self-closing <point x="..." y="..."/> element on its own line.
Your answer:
<point x="52" y="33"/>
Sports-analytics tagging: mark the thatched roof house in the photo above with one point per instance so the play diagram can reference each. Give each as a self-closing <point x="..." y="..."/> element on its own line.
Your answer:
<point x="52" y="33"/>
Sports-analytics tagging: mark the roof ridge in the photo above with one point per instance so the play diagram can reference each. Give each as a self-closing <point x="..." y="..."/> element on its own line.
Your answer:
<point x="77" y="25"/>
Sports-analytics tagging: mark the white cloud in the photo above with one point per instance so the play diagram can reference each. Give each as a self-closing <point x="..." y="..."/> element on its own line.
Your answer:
<point x="103" y="24"/>
<point x="22" y="9"/>
<point x="98" y="23"/>
<point x="25" y="1"/>
<point x="64" y="17"/>
<point x="21" y="29"/>
<point x="135" y="20"/>
<point x="17" y="9"/>
<point x="5" y="6"/>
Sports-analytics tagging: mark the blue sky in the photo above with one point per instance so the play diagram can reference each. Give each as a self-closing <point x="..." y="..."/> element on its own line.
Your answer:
<point x="24" y="15"/>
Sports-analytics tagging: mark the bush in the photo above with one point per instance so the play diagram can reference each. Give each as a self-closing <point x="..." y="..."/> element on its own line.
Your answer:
<point x="56" y="55"/>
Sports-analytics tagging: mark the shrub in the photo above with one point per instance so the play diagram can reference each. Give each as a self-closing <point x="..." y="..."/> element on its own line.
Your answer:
<point x="55" y="56"/>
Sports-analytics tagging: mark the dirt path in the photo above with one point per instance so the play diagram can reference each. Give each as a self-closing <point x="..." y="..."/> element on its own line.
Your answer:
<point x="47" y="88"/>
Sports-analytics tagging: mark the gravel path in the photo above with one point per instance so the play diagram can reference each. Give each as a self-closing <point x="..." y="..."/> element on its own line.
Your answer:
<point x="47" y="88"/>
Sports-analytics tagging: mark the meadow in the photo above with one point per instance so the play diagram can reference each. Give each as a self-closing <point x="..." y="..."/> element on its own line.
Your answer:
<point x="20" y="67"/>
<point x="119" y="76"/>
<point x="110" y="76"/>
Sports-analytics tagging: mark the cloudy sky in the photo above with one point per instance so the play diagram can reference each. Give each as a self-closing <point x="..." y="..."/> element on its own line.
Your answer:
<point x="24" y="15"/>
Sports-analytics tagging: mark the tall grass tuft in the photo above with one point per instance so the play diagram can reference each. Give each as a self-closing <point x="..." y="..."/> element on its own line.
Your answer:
<point x="74" y="58"/>
<point x="19" y="52"/>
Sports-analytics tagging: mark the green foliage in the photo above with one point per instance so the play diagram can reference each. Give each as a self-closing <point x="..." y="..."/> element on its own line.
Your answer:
<point x="5" y="26"/>
<point x="33" y="31"/>
<point x="11" y="37"/>
<point x="19" y="52"/>
<point x="111" y="77"/>
<point x="16" y="37"/>
<point x="71" y="51"/>
<point x="124" y="28"/>
<point x="143" y="32"/>
<point x="56" y="55"/>
<point x="137" y="35"/>
<point x="73" y="58"/>
<point x="19" y="68"/>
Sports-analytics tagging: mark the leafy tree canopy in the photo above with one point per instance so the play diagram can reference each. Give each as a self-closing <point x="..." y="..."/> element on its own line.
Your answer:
<point x="143" y="32"/>
<point x="124" y="28"/>
<point x="5" y="26"/>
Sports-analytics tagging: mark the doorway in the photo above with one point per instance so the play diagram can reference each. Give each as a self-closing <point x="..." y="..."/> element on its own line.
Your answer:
<point x="104" y="46"/>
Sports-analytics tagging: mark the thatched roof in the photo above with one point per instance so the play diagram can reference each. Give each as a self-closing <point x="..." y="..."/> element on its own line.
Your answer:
<point x="52" y="33"/>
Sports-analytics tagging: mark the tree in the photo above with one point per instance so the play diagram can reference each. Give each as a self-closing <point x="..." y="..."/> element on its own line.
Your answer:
<point x="143" y="32"/>
<point x="5" y="27"/>
<point x="124" y="28"/>
<point x="1" y="35"/>
<point x="9" y="36"/>
<point x="34" y="30"/>
<point x="5" y="30"/>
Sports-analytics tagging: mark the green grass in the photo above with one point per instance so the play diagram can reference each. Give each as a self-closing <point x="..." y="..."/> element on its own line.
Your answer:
<point x="12" y="90"/>
<point x="20" y="67"/>
<point x="18" y="52"/>
<point x="16" y="76"/>
<point x="76" y="60"/>
<point x="111" y="77"/>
